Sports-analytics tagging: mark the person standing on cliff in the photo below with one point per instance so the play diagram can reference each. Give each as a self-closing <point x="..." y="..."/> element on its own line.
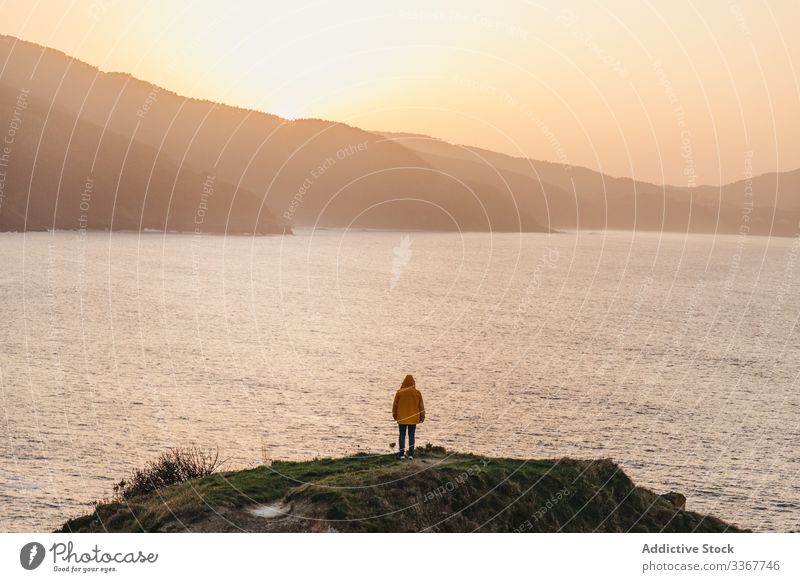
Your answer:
<point x="409" y="411"/>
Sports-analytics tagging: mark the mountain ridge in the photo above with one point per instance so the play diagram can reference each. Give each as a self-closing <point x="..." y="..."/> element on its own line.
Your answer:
<point x="313" y="172"/>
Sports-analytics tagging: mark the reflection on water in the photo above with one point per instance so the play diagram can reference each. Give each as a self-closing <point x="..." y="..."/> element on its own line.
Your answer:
<point x="676" y="356"/>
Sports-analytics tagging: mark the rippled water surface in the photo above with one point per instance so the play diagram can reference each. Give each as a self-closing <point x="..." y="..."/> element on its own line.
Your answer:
<point x="675" y="355"/>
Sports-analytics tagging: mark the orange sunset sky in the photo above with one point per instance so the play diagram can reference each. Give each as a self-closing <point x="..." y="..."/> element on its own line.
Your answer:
<point x="631" y="88"/>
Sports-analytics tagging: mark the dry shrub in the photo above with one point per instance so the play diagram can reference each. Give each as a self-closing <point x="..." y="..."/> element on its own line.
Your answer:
<point x="173" y="466"/>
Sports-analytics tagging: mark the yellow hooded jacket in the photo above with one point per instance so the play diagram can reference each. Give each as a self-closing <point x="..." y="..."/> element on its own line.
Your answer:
<point x="408" y="407"/>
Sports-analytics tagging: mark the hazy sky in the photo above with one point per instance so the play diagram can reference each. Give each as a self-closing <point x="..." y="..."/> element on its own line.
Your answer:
<point x="663" y="91"/>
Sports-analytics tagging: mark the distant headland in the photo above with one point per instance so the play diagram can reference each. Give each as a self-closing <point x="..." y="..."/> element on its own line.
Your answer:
<point x="437" y="492"/>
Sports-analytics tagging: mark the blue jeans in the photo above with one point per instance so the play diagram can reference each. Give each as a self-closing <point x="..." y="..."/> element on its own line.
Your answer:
<point x="412" y="429"/>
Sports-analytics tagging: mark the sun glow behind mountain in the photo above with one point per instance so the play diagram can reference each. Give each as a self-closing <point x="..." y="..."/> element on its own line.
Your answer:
<point x="618" y="88"/>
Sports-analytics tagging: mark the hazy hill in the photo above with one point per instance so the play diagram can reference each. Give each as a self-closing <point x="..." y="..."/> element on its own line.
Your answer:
<point x="66" y="173"/>
<point x="335" y="174"/>
<point x="575" y="197"/>
<point x="315" y="172"/>
<point x="436" y="492"/>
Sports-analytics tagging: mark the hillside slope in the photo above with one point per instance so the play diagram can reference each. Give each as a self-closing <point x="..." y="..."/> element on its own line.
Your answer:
<point x="308" y="172"/>
<point x="329" y="174"/>
<point x="437" y="492"/>
<point x="62" y="172"/>
<point x="580" y="198"/>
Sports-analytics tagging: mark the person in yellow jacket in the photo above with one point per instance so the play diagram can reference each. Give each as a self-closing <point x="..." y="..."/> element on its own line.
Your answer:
<point x="409" y="411"/>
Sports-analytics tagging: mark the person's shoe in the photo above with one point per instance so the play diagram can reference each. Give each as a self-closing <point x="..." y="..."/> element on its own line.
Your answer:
<point x="410" y="458"/>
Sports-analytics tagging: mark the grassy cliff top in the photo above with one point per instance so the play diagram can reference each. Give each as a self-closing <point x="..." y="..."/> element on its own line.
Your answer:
<point x="437" y="491"/>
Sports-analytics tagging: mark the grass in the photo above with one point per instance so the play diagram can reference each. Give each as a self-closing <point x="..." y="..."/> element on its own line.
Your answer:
<point x="440" y="492"/>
